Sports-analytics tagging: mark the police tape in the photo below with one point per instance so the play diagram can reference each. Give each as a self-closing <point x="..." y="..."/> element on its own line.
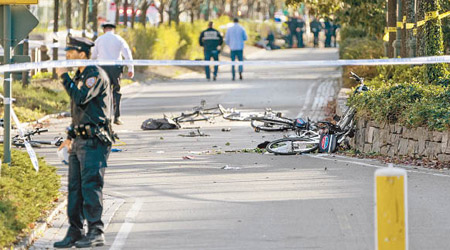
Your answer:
<point x="432" y="15"/>
<point x="309" y="63"/>
<point x="30" y="150"/>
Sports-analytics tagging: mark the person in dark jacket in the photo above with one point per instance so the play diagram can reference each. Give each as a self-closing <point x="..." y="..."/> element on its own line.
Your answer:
<point x="316" y="27"/>
<point x="300" y="30"/>
<point x="210" y="40"/>
<point x="328" y="26"/>
<point x="89" y="139"/>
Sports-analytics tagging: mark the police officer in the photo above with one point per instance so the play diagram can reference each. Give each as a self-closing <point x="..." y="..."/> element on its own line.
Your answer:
<point x="316" y="27"/>
<point x="91" y="138"/>
<point x="300" y="30"/>
<point x="210" y="39"/>
<point x="110" y="46"/>
<point x="329" y="27"/>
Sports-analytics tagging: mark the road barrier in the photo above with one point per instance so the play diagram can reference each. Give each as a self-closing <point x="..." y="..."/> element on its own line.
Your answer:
<point x="391" y="209"/>
<point x="312" y="63"/>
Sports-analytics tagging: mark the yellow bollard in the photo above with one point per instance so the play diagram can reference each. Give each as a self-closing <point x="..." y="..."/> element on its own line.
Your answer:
<point x="391" y="210"/>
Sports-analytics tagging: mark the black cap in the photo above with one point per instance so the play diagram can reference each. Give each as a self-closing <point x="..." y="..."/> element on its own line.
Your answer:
<point x="80" y="44"/>
<point x="108" y="25"/>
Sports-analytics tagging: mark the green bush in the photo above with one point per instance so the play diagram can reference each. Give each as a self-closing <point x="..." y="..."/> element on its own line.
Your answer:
<point x="401" y="97"/>
<point x="168" y="42"/>
<point x="360" y="48"/>
<point x="33" y="102"/>
<point x="25" y="195"/>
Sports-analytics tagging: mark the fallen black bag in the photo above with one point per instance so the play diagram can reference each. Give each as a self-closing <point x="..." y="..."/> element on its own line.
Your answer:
<point x="158" y="124"/>
<point x="327" y="143"/>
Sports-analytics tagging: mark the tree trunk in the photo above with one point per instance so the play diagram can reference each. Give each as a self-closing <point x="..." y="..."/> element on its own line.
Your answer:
<point x="84" y="17"/>
<point x="410" y="19"/>
<point x="434" y="45"/>
<point x="403" y="53"/>
<point x="125" y="13"/>
<point x="391" y="21"/>
<point x="133" y="14"/>
<point x="161" y="11"/>
<point x="272" y="9"/>
<point x="95" y="19"/>
<point x="55" y="39"/>
<point x="117" y="19"/>
<point x="420" y="15"/>
<point x="68" y="16"/>
<point x="144" y="8"/>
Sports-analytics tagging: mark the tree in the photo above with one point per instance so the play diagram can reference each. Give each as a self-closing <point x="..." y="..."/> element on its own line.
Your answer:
<point x="162" y="8"/>
<point x="433" y="39"/>
<point x="144" y="5"/>
<point x="117" y="3"/>
<point x="84" y="17"/>
<point x="55" y="31"/>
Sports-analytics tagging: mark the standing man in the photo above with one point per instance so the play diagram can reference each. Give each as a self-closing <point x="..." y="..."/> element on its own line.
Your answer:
<point x="210" y="39"/>
<point x="300" y="30"/>
<point x="111" y="46"/>
<point x="316" y="27"/>
<point x="235" y="38"/>
<point x="329" y="27"/>
<point x="90" y="137"/>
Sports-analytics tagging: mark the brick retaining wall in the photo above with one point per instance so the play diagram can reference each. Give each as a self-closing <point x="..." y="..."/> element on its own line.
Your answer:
<point x="396" y="140"/>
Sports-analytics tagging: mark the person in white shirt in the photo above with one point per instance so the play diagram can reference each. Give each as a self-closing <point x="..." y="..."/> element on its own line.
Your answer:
<point x="111" y="46"/>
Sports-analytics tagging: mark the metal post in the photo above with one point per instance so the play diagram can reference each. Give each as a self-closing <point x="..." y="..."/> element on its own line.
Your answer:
<point x="398" y="41"/>
<point x="55" y="36"/>
<point x="7" y="83"/>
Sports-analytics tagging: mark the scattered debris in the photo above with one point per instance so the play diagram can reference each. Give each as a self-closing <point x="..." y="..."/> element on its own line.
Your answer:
<point x="227" y="144"/>
<point x="188" y="157"/>
<point x="226" y="167"/>
<point x="160" y="152"/>
<point x="197" y="133"/>
<point x="226" y="129"/>
<point x="116" y="150"/>
<point x="159" y="124"/>
<point x="263" y="145"/>
<point x="161" y="138"/>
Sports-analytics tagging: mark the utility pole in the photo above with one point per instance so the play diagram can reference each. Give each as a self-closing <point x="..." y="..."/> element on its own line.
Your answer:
<point x="55" y="36"/>
<point x="7" y="35"/>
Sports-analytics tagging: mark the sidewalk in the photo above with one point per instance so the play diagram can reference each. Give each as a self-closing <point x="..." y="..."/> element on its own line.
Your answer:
<point x="58" y="227"/>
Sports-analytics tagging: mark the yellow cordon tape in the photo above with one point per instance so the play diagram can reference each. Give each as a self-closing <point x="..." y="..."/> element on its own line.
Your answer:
<point x="391" y="209"/>
<point x="404" y="25"/>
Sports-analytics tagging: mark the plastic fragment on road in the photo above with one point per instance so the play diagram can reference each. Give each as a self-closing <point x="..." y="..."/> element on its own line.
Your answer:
<point x="226" y="167"/>
<point x="188" y="157"/>
<point x="116" y="150"/>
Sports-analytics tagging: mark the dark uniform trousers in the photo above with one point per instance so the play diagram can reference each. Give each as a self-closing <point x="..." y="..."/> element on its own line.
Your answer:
<point x="114" y="74"/>
<point x="87" y="162"/>
<point x="215" y="55"/>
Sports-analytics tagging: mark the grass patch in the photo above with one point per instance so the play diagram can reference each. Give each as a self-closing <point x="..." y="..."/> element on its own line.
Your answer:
<point x="25" y="196"/>
<point x="33" y="102"/>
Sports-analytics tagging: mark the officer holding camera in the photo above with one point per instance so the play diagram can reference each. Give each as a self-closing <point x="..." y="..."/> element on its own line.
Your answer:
<point x="91" y="137"/>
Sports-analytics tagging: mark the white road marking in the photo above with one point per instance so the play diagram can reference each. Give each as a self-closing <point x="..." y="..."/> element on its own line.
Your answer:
<point x="307" y="99"/>
<point x="126" y="227"/>
<point x="358" y="163"/>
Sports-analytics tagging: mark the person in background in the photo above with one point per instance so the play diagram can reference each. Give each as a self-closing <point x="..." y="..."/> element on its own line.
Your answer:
<point x="328" y="25"/>
<point x="334" y="32"/>
<point x="235" y="38"/>
<point x="300" y="30"/>
<point x="210" y="39"/>
<point x="110" y="46"/>
<point x="89" y="141"/>
<point x="316" y="27"/>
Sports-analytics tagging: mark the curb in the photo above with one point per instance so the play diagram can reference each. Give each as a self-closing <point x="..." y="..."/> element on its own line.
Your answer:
<point x="41" y="226"/>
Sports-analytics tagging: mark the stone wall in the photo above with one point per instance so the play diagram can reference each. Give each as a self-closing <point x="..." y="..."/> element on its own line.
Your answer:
<point x="396" y="140"/>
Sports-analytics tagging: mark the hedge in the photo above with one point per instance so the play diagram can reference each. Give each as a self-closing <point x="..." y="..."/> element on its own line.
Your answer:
<point x="25" y="195"/>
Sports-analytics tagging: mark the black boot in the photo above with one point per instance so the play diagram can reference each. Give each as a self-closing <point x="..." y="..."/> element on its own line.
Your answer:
<point x="94" y="238"/>
<point x="68" y="241"/>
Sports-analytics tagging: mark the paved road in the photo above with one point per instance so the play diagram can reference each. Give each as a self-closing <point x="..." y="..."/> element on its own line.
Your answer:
<point x="262" y="201"/>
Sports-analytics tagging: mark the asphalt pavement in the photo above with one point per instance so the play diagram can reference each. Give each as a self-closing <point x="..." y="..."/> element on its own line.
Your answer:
<point x="181" y="192"/>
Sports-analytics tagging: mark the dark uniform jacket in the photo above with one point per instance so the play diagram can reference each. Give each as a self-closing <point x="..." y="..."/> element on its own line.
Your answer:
<point x="210" y="39"/>
<point x="315" y="26"/>
<point x="90" y="95"/>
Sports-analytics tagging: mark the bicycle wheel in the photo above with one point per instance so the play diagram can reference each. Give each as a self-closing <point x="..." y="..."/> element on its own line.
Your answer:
<point x="271" y="124"/>
<point x="193" y="117"/>
<point x="292" y="146"/>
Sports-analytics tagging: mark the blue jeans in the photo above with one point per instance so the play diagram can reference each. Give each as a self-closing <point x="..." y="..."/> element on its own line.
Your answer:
<point x="215" y="55"/>
<point x="240" y="55"/>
